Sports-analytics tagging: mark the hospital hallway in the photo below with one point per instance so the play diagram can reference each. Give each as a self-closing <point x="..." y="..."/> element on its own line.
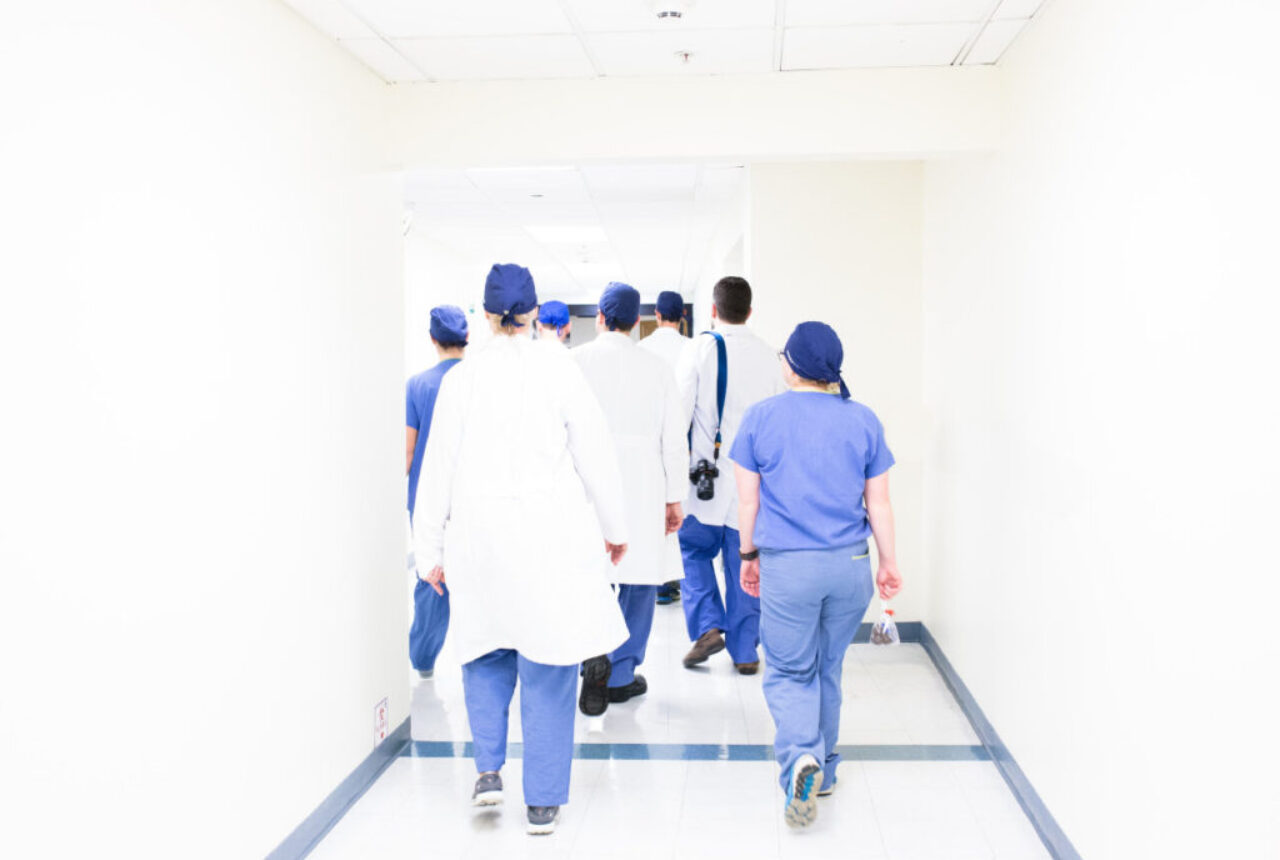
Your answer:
<point x="243" y="241"/>
<point x="686" y="771"/>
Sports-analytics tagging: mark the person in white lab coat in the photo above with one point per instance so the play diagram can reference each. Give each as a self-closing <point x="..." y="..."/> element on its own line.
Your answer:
<point x="520" y="456"/>
<point x="711" y="524"/>
<point x="669" y="344"/>
<point x="638" y="394"/>
<point x="554" y="324"/>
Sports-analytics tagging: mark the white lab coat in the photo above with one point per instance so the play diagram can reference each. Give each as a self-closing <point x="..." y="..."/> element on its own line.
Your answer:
<point x="640" y="401"/>
<point x="520" y="486"/>
<point x="754" y="373"/>
<point x="668" y="344"/>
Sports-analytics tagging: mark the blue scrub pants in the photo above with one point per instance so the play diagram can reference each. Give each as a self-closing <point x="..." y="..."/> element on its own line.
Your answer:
<point x="811" y="604"/>
<point x="637" y="602"/>
<point x="430" y="624"/>
<point x="547" y="708"/>
<point x="739" y="615"/>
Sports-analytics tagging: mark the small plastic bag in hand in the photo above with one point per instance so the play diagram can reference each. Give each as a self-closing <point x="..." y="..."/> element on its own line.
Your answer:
<point x="885" y="631"/>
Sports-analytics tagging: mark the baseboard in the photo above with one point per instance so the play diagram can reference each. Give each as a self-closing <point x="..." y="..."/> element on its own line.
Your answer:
<point x="303" y="840"/>
<point x="1050" y="833"/>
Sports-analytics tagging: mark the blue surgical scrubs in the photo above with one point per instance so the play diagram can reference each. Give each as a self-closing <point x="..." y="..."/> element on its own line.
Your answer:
<point x="430" y="610"/>
<point x="814" y="453"/>
<point x="739" y="613"/>
<point x="547" y="708"/>
<point x="637" y="603"/>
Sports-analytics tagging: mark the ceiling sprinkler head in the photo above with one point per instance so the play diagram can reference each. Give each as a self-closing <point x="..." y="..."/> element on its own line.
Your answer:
<point x="684" y="56"/>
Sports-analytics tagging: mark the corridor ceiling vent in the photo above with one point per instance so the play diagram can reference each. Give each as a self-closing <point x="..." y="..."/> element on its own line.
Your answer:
<point x="670" y="10"/>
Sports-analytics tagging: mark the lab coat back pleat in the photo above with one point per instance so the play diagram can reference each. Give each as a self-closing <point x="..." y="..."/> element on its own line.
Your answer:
<point x="520" y="485"/>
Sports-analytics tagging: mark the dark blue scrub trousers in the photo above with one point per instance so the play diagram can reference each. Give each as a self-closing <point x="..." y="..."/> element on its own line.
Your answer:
<point x="547" y="708"/>
<point x="812" y="602"/>
<point x="637" y="603"/>
<point x="739" y="614"/>
<point x="430" y="624"/>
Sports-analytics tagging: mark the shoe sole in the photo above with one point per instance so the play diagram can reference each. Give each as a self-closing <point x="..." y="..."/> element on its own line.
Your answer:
<point x="594" y="699"/>
<point x="488" y="798"/>
<point x="541" y="829"/>
<point x="690" y="662"/>
<point x="802" y="805"/>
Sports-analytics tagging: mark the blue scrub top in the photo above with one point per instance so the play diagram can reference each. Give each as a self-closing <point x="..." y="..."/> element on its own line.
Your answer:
<point x="814" y="453"/>
<point x="419" y="403"/>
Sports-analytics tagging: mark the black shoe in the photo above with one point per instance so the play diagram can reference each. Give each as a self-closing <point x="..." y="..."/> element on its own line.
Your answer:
<point x="542" y="819"/>
<point x="594" y="699"/>
<point x="638" y="687"/>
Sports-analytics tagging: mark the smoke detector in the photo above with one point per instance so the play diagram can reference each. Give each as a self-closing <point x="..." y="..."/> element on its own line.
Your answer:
<point x="670" y="10"/>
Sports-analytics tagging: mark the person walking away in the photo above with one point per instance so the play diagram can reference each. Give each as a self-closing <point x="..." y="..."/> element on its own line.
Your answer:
<point x="669" y="344"/>
<point x="520" y="456"/>
<point x="751" y="373"/>
<point x="430" y="610"/>
<point x="813" y="485"/>
<point x="637" y="392"/>
<point x="554" y="324"/>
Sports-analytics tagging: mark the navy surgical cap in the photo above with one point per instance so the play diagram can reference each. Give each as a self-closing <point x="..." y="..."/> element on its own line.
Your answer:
<point x="448" y="326"/>
<point x="814" y="352"/>
<point x="670" y="305"/>
<point x="554" y="314"/>
<point x="620" y="305"/>
<point x="509" y="291"/>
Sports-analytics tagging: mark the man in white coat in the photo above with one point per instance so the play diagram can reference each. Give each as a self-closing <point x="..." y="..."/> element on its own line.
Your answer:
<point x="637" y="392"/>
<point x="520" y="455"/>
<point x="669" y="344"/>
<point x="711" y="525"/>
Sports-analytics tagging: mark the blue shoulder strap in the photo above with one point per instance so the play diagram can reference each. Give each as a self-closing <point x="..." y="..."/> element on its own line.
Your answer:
<point x="722" y="385"/>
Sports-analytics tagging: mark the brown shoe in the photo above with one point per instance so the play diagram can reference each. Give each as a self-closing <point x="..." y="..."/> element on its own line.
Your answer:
<point x="708" y="643"/>
<point x="747" y="668"/>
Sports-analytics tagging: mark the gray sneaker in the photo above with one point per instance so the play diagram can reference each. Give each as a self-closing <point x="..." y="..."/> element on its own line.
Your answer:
<point x="542" y="819"/>
<point x="488" y="791"/>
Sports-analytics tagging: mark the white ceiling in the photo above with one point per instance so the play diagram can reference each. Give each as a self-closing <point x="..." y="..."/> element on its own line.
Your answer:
<point x="435" y="40"/>
<point x="577" y="228"/>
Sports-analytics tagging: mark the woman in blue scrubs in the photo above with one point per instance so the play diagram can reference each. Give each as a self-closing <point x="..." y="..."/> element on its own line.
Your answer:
<point x="813" y="486"/>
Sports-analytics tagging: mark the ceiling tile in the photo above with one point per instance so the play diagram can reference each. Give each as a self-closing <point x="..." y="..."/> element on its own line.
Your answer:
<point x="881" y="46"/>
<point x="713" y="52"/>
<point x="996" y="37"/>
<point x="523" y="184"/>
<point x="834" y="13"/>
<point x="408" y="19"/>
<point x="332" y="18"/>
<point x="505" y="57"/>
<point x="1014" y="9"/>
<point x="642" y="182"/>
<point x="623" y="16"/>
<point x="383" y="59"/>
<point x="440" y="186"/>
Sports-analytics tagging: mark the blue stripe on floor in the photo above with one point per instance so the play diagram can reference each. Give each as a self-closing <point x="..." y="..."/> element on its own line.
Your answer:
<point x="714" y="752"/>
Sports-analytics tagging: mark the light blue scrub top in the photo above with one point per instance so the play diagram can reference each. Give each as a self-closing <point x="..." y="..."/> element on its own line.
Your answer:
<point x="419" y="403"/>
<point x="814" y="453"/>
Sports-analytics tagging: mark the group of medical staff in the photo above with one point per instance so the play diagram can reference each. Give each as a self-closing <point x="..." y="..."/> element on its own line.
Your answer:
<point x="547" y="566"/>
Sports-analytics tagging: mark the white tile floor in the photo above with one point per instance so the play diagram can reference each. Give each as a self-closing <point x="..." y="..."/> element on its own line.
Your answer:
<point x="905" y="810"/>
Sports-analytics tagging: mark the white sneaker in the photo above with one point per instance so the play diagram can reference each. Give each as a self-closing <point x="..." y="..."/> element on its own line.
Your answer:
<point x="801" y="808"/>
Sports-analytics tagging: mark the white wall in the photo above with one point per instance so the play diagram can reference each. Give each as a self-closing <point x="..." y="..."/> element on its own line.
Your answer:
<point x="1100" y="366"/>
<point x="841" y="243"/>
<point x="797" y="115"/>
<point x="202" y="497"/>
